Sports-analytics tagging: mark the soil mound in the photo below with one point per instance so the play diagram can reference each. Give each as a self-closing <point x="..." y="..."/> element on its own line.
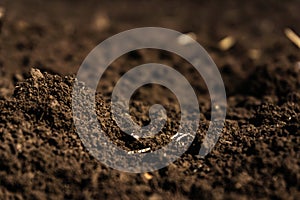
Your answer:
<point x="42" y="156"/>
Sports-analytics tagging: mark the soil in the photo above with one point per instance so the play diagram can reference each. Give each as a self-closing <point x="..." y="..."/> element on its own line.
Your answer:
<point x="42" y="45"/>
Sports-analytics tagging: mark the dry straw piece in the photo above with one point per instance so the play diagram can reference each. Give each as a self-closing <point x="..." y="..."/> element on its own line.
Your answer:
<point x="226" y="43"/>
<point x="292" y="36"/>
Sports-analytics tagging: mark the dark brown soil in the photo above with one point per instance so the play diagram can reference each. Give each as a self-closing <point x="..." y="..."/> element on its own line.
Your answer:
<point x="257" y="155"/>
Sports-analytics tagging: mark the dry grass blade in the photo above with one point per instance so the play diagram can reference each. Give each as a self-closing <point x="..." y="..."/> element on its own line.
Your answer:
<point x="226" y="43"/>
<point x="291" y="35"/>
